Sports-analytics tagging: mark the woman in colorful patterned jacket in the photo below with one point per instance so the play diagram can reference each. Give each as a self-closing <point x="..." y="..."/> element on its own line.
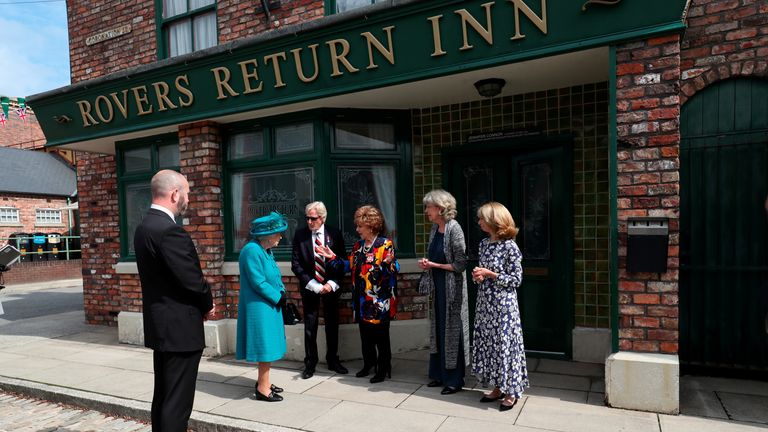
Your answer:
<point x="374" y="289"/>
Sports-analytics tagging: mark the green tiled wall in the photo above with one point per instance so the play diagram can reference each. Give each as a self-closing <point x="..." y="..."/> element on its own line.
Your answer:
<point x="581" y="111"/>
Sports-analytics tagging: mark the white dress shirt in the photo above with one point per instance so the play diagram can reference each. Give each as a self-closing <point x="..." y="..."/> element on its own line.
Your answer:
<point x="313" y="284"/>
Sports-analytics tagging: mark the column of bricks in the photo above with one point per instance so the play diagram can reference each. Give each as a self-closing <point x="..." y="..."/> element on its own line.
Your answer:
<point x="100" y="237"/>
<point x="724" y="39"/>
<point x="200" y="147"/>
<point x="648" y="111"/>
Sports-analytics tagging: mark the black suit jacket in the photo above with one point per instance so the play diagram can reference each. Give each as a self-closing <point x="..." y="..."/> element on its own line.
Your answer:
<point x="175" y="293"/>
<point x="303" y="257"/>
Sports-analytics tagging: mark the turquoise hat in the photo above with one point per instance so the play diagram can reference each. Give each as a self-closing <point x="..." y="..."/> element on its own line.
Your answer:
<point x="269" y="224"/>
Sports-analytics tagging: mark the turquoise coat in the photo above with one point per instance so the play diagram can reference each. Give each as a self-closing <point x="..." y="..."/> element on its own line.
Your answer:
<point x="260" y="331"/>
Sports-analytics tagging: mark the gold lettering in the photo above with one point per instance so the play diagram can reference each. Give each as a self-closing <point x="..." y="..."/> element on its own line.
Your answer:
<point x="337" y="57"/>
<point x="248" y="75"/>
<point x="540" y="23"/>
<point x="161" y="91"/>
<point x="122" y="106"/>
<point x="388" y="54"/>
<point x="299" y="69"/>
<point x="184" y="90"/>
<point x="486" y="34"/>
<point x="96" y="104"/>
<point x="85" y="111"/>
<point x="436" y="36"/>
<point x="141" y="99"/>
<point x="222" y="75"/>
<point x="276" y="66"/>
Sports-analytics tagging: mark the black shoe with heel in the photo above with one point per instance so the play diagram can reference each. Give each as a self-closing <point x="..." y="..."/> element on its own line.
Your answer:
<point x="487" y="399"/>
<point x="435" y="383"/>
<point x="450" y="390"/>
<point x="272" y="387"/>
<point x="504" y="407"/>
<point x="272" y="397"/>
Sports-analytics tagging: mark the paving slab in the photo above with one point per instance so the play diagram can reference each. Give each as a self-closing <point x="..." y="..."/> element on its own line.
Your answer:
<point x="288" y="379"/>
<point x="413" y="371"/>
<point x="354" y="417"/>
<point x="557" y="394"/>
<point x="458" y="424"/>
<point x="296" y="411"/>
<point x="104" y="356"/>
<point x="29" y="366"/>
<point x="596" y="399"/>
<point x="388" y="393"/>
<point x="746" y="408"/>
<point x="212" y="395"/>
<point x="544" y="413"/>
<point x="701" y="403"/>
<point x="217" y="371"/>
<point x="684" y="423"/>
<point x="125" y="384"/>
<point x="73" y="377"/>
<point x="571" y="368"/>
<point x="724" y="384"/>
<point x="566" y="382"/>
<point x="465" y="404"/>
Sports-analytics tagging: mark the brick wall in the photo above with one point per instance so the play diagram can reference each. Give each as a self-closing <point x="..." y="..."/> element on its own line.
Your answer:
<point x="100" y="231"/>
<point x="42" y="271"/>
<point x="724" y="39"/>
<point x="21" y="134"/>
<point x="239" y="19"/>
<point x="648" y="111"/>
<point x="27" y="204"/>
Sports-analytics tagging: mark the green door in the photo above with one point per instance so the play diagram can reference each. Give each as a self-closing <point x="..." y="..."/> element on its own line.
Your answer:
<point x="723" y="229"/>
<point x="533" y="183"/>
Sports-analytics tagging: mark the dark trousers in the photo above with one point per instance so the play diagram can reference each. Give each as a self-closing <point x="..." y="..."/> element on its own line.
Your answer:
<point x="373" y="338"/>
<point x="311" y="302"/>
<point x="175" y="378"/>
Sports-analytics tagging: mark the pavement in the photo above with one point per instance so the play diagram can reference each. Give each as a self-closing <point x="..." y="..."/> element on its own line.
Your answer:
<point x="49" y="353"/>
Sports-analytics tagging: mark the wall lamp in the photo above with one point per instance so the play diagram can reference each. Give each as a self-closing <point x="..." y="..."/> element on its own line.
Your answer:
<point x="490" y="87"/>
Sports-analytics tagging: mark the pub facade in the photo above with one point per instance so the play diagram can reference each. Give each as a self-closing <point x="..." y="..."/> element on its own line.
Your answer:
<point x="628" y="139"/>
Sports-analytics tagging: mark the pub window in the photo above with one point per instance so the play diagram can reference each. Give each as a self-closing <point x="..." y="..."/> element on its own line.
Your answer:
<point x="345" y="158"/>
<point x="338" y="6"/>
<point x="186" y="26"/>
<point x="137" y="162"/>
<point x="9" y="215"/>
<point x="47" y="217"/>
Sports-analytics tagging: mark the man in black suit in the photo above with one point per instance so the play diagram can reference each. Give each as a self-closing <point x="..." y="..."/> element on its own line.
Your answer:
<point x="316" y="283"/>
<point x="176" y="298"/>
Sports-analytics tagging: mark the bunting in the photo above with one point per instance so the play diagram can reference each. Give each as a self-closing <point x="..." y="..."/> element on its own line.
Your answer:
<point x="21" y="111"/>
<point x="3" y="118"/>
<point x="5" y="103"/>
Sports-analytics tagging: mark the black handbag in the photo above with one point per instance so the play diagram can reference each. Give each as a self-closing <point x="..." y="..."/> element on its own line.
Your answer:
<point x="290" y="314"/>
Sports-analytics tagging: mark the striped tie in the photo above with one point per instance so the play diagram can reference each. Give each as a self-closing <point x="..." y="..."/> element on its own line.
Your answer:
<point x="319" y="262"/>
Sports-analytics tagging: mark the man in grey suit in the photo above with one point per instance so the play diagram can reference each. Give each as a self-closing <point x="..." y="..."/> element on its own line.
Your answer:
<point x="176" y="301"/>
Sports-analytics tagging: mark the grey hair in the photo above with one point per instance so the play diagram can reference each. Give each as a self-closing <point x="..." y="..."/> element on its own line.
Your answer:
<point x="165" y="181"/>
<point x="444" y="200"/>
<point x="319" y="207"/>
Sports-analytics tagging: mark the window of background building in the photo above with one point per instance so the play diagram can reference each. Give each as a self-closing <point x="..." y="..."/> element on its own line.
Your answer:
<point x="9" y="215"/>
<point x="186" y="26"/>
<point x="47" y="217"/>
<point x="137" y="162"/>
<point x="343" y="158"/>
<point x="338" y="6"/>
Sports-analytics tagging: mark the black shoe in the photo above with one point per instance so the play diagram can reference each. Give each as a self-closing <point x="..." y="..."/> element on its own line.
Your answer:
<point x="364" y="372"/>
<point x="273" y="397"/>
<point x="435" y="383"/>
<point x="486" y="399"/>
<point x="504" y="407"/>
<point x="450" y="390"/>
<point x="308" y="373"/>
<point x="380" y="376"/>
<point x="272" y="387"/>
<point x="338" y="368"/>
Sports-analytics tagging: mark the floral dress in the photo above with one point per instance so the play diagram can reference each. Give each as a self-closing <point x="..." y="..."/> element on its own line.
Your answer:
<point x="498" y="354"/>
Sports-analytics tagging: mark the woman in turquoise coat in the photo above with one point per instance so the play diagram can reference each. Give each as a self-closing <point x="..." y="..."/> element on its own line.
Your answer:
<point x="260" y="331"/>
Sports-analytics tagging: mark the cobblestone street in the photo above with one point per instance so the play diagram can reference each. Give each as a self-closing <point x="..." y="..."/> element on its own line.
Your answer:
<point x="19" y="414"/>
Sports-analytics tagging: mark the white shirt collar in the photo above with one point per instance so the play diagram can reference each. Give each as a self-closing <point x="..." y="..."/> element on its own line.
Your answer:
<point x="320" y="231"/>
<point x="164" y="210"/>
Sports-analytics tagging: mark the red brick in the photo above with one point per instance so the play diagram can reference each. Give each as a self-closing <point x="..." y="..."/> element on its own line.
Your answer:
<point x="668" y="347"/>
<point x="650" y="299"/>
<point x="646" y="322"/>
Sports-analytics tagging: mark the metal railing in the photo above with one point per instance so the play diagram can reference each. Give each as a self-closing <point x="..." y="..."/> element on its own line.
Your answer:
<point x="44" y="246"/>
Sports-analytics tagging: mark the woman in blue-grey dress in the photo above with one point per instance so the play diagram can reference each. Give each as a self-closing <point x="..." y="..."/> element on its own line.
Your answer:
<point x="446" y="283"/>
<point x="260" y="331"/>
<point x="498" y="354"/>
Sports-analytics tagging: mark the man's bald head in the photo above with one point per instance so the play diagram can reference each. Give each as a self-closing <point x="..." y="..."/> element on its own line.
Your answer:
<point x="170" y="189"/>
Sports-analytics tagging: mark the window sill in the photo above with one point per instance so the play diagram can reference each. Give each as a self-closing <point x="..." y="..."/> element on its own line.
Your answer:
<point x="11" y="224"/>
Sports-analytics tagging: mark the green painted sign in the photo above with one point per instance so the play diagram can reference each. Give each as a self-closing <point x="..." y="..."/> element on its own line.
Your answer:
<point x="407" y="43"/>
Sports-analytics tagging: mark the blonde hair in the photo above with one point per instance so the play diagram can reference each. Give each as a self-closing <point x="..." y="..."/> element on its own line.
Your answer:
<point x="444" y="200"/>
<point x="499" y="219"/>
<point x="371" y="217"/>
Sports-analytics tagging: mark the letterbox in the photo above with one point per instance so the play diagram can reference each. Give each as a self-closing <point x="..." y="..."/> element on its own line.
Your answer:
<point x="647" y="244"/>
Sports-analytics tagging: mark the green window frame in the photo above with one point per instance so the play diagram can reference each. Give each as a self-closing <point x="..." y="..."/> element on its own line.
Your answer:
<point x="137" y="161"/>
<point x="191" y="14"/>
<point x="332" y="6"/>
<point x="324" y="162"/>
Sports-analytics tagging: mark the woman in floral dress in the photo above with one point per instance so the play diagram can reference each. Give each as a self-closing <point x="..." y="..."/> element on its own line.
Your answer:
<point x="498" y="354"/>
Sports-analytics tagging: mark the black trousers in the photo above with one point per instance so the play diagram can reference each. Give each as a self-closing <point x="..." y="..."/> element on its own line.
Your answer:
<point x="175" y="378"/>
<point x="311" y="302"/>
<point x="374" y="339"/>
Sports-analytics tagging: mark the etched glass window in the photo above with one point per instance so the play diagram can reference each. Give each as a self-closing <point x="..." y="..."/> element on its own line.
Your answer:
<point x="364" y="136"/>
<point x="168" y="156"/>
<point x="294" y="138"/>
<point x="138" y="198"/>
<point x="360" y="185"/>
<point x="478" y="182"/>
<point x="137" y="160"/>
<point x="536" y="219"/>
<point x="256" y="194"/>
<point x="246" y="145"/>
<point x="9" y="215"/>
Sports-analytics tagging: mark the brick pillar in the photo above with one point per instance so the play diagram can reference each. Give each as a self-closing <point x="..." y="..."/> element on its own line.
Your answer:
<point x="200" y="147"/>
<point x="100" y="232"/>
<point x="648" y="111"/>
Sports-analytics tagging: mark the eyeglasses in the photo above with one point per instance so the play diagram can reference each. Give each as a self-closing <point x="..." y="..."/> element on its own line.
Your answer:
<point x="310" y="218"/>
